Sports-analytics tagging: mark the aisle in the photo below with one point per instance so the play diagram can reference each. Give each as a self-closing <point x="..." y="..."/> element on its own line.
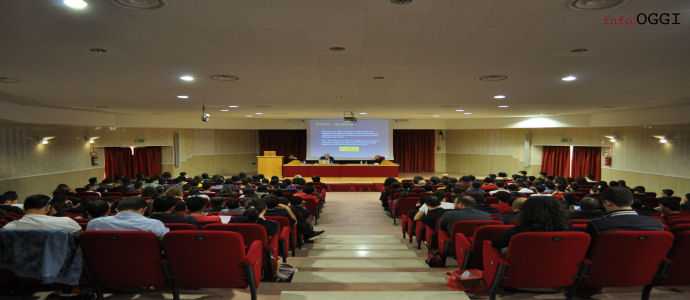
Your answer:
<point x="362" y="256"/>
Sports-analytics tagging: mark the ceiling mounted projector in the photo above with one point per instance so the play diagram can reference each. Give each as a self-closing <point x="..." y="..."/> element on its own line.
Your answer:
<point x="349" y="117"/>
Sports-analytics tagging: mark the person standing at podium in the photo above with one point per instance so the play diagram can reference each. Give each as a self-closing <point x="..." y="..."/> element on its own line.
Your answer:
<point x="327" y="157"/>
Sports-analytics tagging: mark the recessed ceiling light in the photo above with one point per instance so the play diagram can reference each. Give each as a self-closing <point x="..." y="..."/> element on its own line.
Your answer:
<point x="75" y="4"/>
<point x="378" y="77"/>
<point x="182" y="97"/>
<point x="493" y="77"/>
<point x="579" y="50"/>
<point x="594" y="4"/>
<point x="224" y="77"/>
<point x="140" y="4"/>
<point x="337" y="48"/>
<point x="467" y="113"/>
<point x="98" y="50"/>
<point x="569" y="78"/>
<point x="233" y="106"/>
<point x="363" y="113"/>
<point x="224" y="110"/>
<point x="187" y="78"/>
<point x="459" y="110"/>
<point x="259" y="113"/>
<point x="503" y="106"/>
<point x="500" y="97"/>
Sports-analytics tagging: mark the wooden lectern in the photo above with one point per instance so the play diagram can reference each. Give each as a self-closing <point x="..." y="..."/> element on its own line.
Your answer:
<point x="270" y="164"/>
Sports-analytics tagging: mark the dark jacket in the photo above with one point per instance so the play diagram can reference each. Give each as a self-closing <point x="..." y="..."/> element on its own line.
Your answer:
<point x="623" y="220"/>
<point x="465" y="214"/>
<point x="173" y="218"/>
<point x="432" y="216"/>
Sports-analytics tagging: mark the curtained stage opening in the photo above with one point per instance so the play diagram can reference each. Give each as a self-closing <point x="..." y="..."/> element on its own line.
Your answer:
<point x="414" y="150"/>
<point x="285" y="142"/>
<point x="131" y="162"/>
<point x="585" y="161"/>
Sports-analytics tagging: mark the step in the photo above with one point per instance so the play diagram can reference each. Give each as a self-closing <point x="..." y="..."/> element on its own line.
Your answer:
<point x="369" y="277"/>
<point x="374" y="263"/>
<point x="359" y="246"/>
<point x="374" y="295"/>
<point x="363" y="253"/>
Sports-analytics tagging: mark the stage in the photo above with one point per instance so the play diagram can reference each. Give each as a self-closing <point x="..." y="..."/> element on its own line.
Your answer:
<point x="353" y="184"/>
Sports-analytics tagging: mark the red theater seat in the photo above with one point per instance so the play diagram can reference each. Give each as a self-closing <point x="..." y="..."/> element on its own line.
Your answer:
<point x="677" y="272"/>
<point x="626" y="259"/>
<point x="180" y="226"/>
<point x="402" y="206"/>
<point x="286" y="239"/>
<point x="467" y="228"/>
<point x="224" y="263"/>
<point x="139" y="268"/>
<point x="536" y="260"/>
<point x="251" y="233"/>
<point x="471" y="257"/>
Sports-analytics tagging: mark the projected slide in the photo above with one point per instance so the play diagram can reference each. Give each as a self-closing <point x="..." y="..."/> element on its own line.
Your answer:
<point x="360" y="140"/>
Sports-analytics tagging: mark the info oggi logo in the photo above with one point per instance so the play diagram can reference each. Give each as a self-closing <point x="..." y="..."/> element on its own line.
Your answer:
<point x="664" y="18"/>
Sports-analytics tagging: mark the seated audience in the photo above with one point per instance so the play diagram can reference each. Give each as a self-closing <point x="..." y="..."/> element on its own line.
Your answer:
<point x="164" y="210"/>
<point x="307" y="194"/>
<point x="539" y="213"/>
<point x="432" y="212"/>
<point x="669" y="206"/>
<point x="130" y="216"/>
<point x="8" y="203"/>
<point x="195" y="206"/>
<point x="97" y="208"/>
<point x="685" y="203"/>
<point x="617" y="202"/>
<point x="589" y="208"/>
<point x="504" y="205"/>
<point x="500" y="187"/>
<point x="464" y="211"/>
<point x="256" y="212"/>
<point x="37" y="210"/>
<point x="93" y="185"/>
<point x="514" y="215"/>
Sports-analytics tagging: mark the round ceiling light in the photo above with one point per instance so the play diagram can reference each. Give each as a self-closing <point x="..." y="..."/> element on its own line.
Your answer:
<point x="140" y="4"/>
<point x="503" y="106"/>
<point x="460" y="110"/>
<point x="500" y="97"/>
<point x="401" y="2"/>
<point x="233" y="106"/>
<point x="594" y="4"/>
<point x="98" y="50"/>
<point x="579" y="50"/>
<point x="8" y="80"/>
<point x="467" y="113"/>
<point x="187" y="78"/>
<point x="363" y="113"/>
<point x="493" y="77"/>
<point x="378" y="77"/>
<point x="569" y="78"/>
<point x="224" y="77"/>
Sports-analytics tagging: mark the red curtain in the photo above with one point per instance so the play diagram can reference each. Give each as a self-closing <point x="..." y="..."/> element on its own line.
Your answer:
<point x="587" y="162"/>
<point x="555" y="160"/>
<point x="285" y="142"/>
<point x="414" y="150"/>
<point x="122" y="162"/>
<point x="118" y="162"/>
<point x="147" y="161"/>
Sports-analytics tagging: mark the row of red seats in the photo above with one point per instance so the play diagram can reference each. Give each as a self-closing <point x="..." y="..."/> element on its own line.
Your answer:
<point x="117" y="260"/>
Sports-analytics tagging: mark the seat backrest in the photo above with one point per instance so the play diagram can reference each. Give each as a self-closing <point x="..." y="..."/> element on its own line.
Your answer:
<point x="469" y="227"/>
<point x="680" y="228"/>
<point x="220" y="265"/>
<point x="284" y="221"/>
<point x="545" y="259"/>
<point x="180" y="226"/>
<point x="627" y="258"/>
<point x="485" y="233"/>
<point x="678" y="221"/>
<point x="123" y="259"/>
<point x="405" y="204"/>
<point x="250" y="231"/>
<point x="679" y="270"/>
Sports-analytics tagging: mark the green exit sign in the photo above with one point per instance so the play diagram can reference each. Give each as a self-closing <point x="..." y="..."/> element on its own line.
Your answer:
<point x="139" y="141"/>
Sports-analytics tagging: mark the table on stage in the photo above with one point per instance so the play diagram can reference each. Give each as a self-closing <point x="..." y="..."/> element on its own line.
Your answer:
<point x="342" y="170"/>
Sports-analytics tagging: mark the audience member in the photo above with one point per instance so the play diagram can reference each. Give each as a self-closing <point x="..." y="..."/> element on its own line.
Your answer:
<point x="433" y="210"/>
<point x="464" y="211"/>
<point x="97" y="208"/>
<point x="37" y="209"/>
<point x="195" y="206"/>
<point x="617" y="202"/>
<point x="514" y="215"/>
<point x="539" y="213"/>
<point x="130" y="216"/>
<point x="164" y="210"/>
<point x="589" y="208"/>
<point x="8" y="203"/>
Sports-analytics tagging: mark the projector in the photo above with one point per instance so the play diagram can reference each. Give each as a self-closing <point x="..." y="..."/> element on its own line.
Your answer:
<point x="349" y="117"/>
<point x="204" y="115"/>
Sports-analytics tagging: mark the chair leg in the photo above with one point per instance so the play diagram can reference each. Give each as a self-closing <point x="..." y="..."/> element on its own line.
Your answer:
<point x="250" y="279"/>
<point x="647" y="291"/>
<point x="395" y="221"/>
<point x="497" y="282"/>
<point x="176" y="293"/>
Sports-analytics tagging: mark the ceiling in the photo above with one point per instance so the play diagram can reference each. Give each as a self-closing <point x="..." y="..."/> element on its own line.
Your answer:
<point x="430" y="53"/>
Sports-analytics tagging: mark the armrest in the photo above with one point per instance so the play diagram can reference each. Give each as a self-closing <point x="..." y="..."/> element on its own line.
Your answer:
<point x="254" y="259"/>
<point x="492" y="260"/>
<point x="462" y="249"/>
<point x="285" y="233"/>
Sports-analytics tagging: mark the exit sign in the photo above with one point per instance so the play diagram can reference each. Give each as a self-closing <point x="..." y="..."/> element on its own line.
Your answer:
<point x="139" y="141"/>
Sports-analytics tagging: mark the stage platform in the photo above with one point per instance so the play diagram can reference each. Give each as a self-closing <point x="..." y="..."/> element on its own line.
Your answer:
<point x="352" y="184"/>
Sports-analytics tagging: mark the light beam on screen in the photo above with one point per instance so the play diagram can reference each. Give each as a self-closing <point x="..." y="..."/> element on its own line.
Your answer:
<point x="355" y="141"/>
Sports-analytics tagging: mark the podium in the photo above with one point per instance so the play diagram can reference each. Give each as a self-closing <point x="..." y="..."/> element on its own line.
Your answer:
<point x="270" y="164"/>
